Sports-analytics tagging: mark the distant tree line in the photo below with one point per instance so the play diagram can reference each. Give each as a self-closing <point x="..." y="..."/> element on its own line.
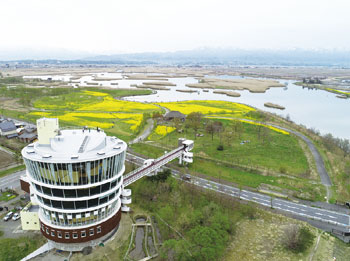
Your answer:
<point x="312" y="80"/>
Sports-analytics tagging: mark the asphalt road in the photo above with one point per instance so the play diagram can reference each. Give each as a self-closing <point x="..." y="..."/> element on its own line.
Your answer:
<point x="338" y="219"/>
<point x="11" y="181"/>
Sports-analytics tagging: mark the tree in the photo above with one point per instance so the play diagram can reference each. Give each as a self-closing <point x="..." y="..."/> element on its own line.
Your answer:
<point x="157" y="116"/>
<point x="208" y="243"/>
<point x="177" y="123"/>
<point x="297" y="239"/>
<point x="210" y="129"/>
<point x="238" y="129"/>
<point x="218" y="128"/>
<point x="193" y="121"/>
<point x="265" y="134"/>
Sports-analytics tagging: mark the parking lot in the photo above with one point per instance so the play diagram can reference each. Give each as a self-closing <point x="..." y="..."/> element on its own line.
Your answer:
<point x="11" y="228"/>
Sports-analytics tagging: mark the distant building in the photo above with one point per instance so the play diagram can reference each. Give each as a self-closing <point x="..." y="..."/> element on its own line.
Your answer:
<point x="8" y="129"/>
<point x="174" y="115"/>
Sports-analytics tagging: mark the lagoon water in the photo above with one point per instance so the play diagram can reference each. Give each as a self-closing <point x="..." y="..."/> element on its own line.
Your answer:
<point x="313" y="108"/>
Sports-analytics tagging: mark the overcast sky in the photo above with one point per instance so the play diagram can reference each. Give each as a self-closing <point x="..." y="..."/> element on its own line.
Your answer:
<point x="115" y="26"/>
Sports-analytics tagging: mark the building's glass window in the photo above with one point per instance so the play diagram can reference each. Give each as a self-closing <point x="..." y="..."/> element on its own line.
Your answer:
<point x="68" y="204"/>
<point x="56" y="203"/>
<point x="66" y="236"/>
<point x="80" y="204"/>
<point x="92" y="202"/>
<point x="103" y="200"/>
<point x="70" y="193"/>
<point x="91" y="232"/>
<point x="47" y="202"/>
<point x="83" y="233"/>
<point x="75" y="235"/>
<point x="52" y="233"/>
<point x="57" y="192"/>
<point x="95" y="190"/>
<point x="83" y="192"/>
<point x="99" y="229"/>
<point x="59" y="234"/>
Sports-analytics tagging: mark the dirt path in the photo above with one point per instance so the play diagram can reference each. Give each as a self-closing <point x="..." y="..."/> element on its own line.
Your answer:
<point x="315" y="249"/>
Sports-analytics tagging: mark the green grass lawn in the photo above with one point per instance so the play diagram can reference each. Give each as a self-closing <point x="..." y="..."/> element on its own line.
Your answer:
<point x="276" y="153"/>
<point x="11" y="170"/>
<point x="17" y="248"/>
<point x="6" y="196"/>
<point x="292" y="186"/>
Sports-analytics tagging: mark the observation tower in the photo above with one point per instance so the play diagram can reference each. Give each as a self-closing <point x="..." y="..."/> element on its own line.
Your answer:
<point x="76" y="178"/>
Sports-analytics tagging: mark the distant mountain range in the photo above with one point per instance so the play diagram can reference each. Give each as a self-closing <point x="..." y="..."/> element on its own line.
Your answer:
<point x="211" y="56"/>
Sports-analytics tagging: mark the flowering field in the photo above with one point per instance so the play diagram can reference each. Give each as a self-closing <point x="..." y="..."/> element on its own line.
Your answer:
<point x="95" y="109"/>
<point x="161" y="131"/>
<point x="266" y="126"/>
<point x="92" y="101"/>
<point x="102" y="120"/>
<point x="209" y="107"/>
<point x="110" y="104"/>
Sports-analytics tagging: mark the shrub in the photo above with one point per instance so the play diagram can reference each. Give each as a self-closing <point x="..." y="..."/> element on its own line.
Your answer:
<point x="297" y="239"/>
<point x="283" y="169"/>
<point x="220" y="147"/>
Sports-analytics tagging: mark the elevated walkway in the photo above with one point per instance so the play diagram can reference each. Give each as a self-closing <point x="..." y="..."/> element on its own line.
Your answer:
<point x="181" y="152"/>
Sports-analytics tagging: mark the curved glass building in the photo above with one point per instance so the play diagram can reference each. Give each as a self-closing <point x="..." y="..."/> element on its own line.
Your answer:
<point x="76" y="177"/>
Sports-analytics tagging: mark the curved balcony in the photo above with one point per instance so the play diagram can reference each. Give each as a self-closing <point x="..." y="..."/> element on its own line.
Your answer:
<point x="125" y="209"/>
<point x="126" y="200"/>
<point x="126" y="193"/>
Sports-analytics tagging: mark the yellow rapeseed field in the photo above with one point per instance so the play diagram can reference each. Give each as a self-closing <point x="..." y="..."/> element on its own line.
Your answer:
<point x="82" y="118"/>
<point x="266" y="126"/>
<point x="96" y="93"/>
<point x="161" y="131"/>
<point x="208" y="107"/>
<point x="109" y="104"/>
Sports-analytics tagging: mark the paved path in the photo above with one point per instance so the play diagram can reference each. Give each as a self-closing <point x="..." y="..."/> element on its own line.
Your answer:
<point x="145" y="133"/>
<point x="325" y="180"/>
<point x="315" y="153"/>
<point x="148" y="130"/>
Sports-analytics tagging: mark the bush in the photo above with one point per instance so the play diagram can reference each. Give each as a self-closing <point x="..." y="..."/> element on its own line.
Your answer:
<point x="161" y="176"/>
<point x="220" y="147"/>
<point x="297" y="239"/>
<point x="283" y="169"/>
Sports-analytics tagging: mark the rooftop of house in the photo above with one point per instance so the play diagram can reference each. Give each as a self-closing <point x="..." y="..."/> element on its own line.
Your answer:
<point x="175" y="114"/>
<point x="7" y="125"/>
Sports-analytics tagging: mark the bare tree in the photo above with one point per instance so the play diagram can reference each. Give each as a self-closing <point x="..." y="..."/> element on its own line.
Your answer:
<point x="193" y="121"/>
<point x="291" y="237"/>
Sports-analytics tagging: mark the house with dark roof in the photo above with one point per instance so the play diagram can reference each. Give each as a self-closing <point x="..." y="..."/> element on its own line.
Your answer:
<point x="8" y="129"/>
<point x="174" y="115"/>
<point x="28" y="135"/>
